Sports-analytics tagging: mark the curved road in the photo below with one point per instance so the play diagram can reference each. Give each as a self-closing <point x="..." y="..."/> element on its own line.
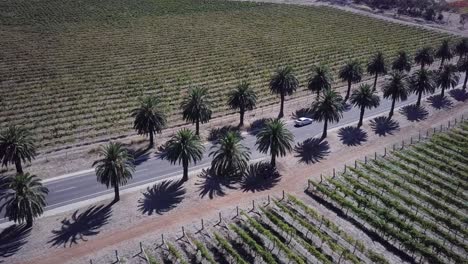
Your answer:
<point x="81" y="187"/>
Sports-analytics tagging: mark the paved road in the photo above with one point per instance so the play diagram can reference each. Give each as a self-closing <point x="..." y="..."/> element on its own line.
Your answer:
<point x="78" y="188"/>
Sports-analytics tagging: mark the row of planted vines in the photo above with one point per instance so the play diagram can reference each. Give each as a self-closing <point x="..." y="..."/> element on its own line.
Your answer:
<point x="286" y="231"/>
<point x="414" y="198"/>
<point x="72" y="72"/>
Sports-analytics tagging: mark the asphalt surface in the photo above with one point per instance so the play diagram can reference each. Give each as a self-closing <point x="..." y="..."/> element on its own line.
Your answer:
<point x="84" y="186"/>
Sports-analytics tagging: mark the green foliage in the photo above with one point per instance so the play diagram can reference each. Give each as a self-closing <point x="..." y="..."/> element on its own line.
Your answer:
<point x="204" y="251"/>
<point x="275" y="138"/>
<point x="250" y="242"/>
<point x="226" y="246"/>
<point x="101" y="56"/>
<point x="230" y="157"/>
<point x="16" y="146"/>
<point x="23" y="198"/>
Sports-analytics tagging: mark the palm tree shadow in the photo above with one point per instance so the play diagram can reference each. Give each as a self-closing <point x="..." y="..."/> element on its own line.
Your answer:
<point x="140" y="155"/>
<point x="217" y="133"/>
<point x="12" y="239"/>
<point x="382" y="126"/>
<point x="414" y="112"/>
<point x="303" y="112"/>
<point x="312" y="150"/>
<point x="459" y="95"/>
<point x="162" y="197"/>
<point x="352" y="136"/>
<point x="257" y="125"/>
<point x="82" y="225"/>
<point x="347" y="107"/>
<point x="439" y="102"/>
<point x="260" y="176"/>
<point x="214" y="185"/>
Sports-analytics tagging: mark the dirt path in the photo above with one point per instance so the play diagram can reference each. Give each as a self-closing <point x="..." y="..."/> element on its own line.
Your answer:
<point x="130" y="222"/>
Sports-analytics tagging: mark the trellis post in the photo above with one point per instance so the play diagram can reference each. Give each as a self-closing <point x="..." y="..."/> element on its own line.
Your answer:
<point x="117" y="256"/>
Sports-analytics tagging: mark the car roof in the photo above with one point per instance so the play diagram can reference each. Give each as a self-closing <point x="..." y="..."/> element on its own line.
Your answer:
<point x="303" y="118"/>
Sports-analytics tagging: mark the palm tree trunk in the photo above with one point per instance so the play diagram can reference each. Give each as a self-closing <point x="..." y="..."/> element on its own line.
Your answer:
<point x="241" y="122"/>
<point x="375" y="81"/>
<point x="19" y="167"/>
<point x="441" y="64"/>
<point x="391" y="109"/>
<point x="349" y="90"/>
<point x="281" y="113"/>
<point x="117" y="194"/>
<point x="318" y="95"/>
<point x="273" y="160"/>
<point x="361" y="117"/>
<point x="442" y="93"/>
<point x="466" y="79"/>
<point x="185" y="175"/>
<point x="325" y="127"/>
<point x="151" y="138"/>
<point x="197" y="127"/>
<point x="418" y="103"/>
<point x="29" y="220"/>
<point x="422" y="66"/>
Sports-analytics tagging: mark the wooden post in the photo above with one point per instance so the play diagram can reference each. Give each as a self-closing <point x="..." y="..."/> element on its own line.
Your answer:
<point x="385" y="151"/>
<point x="183" y="231"/>
<point x="162" y="239"/>
<point x="365" y="159"/>
<point x="344" y="169"/>
<point x="355" y="164"/>
<point x="141" y="247"/>
<point x="117" y="255"/>
<point x="375" y="155"/>
<point x="202" y="224"/>
<point x="283" y="196"/>
<point x="333" y="172"/>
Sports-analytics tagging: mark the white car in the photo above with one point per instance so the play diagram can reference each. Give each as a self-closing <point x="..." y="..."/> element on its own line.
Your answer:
<point x="302" y="121"/>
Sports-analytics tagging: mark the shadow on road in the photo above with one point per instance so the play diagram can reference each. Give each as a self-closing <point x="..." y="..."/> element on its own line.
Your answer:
<point x="312" y="150"/>
<point x="12" y="239"/>
<point x="382" y="126"/>
<point x="352" y="136"/>
<point x="347" y="107"/>
<point x="161" y="197"/>
<point x="303" y="112"/>
<point x="81" y="225"/>
<point x="257" y="125"/>
<point x="219" y="132"/>
<point x="459" y="95"/>
<point x="140" y="155"/>
<point x="439" y="102"/>
<point x="260" y="176"/>
<point x="214" y="185"/>
<point x="414" y="113"/>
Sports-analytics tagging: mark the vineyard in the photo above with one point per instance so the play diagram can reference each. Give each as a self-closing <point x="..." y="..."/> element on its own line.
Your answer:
<point x="72" y="72"/>
<point x="414" y="198"/>
<point x="287" y="231"/>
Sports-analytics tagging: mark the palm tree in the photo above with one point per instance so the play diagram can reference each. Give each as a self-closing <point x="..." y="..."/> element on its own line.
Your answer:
<point x="424" y="56"/>
<point x="229" y="155"/>
<point x="320" y="80"/>
<point x="396" y="89"/>
<point x="184" y="147"/>
<point x="149" y="117"/>
<point x="197" y="107"/>
<point x="463" y="67"/>
<point x="329" y="108"/>
<point x="24" y="199"/>
<point x="461" y="49"/>
<point x="402" y="62"/>
<point x="283" y="82"/>
<point x="16" y="146"/>
<point x="243" y="98"/>
<point x="448" y="78"/>
<point x="364" y="97"/>
<point x="115" y="167"/>
<point x="351" y="73"/>
<point x="422" y="82"/>
<point x="444" y="52"/>
<point x="377" y="66"/>
<point x="275" y="138"/>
